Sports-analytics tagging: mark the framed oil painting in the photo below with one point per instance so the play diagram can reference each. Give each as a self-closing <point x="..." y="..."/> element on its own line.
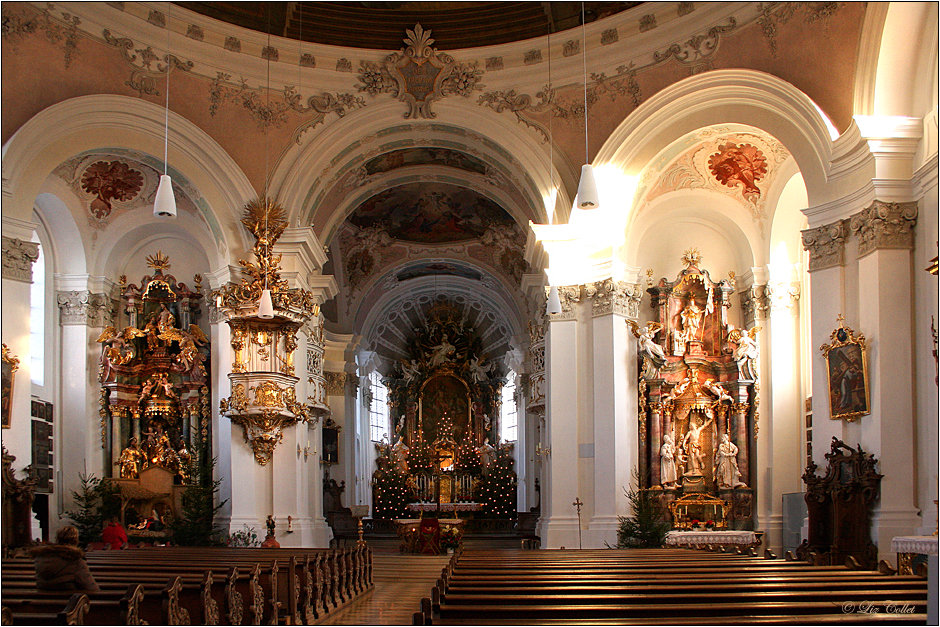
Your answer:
<point x="330" y="443"/>
<point x="847" y="374"/>
<point x="10" y="364"/>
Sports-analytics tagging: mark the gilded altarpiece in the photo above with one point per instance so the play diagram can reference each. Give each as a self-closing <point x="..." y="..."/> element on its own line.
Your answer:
<point x="444" y="402"/>
<point x="697" y="398"/>
<point x="154" y="374"/>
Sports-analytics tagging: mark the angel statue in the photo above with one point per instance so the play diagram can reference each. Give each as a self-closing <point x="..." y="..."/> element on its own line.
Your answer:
<point x="189" y="356"/>
<point x="746" y="341"/>
<point x="115" y="354"/>
<point x="717" y="390"/>
<point x="648" y="346"/>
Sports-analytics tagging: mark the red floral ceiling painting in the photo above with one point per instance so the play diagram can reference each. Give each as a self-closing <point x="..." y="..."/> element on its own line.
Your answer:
<point x="109" y="182"/>
<point x="742" y="165"/>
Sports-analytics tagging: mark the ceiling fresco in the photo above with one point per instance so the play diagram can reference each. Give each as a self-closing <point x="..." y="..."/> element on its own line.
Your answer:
<point x="438" y="268"/>
<point x="424" y="156"/>
<point x="430" y="213"/>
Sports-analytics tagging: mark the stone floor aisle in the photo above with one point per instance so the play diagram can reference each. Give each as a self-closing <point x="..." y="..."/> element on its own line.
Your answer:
<point x="401" y="581"/>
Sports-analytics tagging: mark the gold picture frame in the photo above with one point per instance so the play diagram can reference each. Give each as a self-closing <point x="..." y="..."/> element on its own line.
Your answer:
<point x="847" y="374"/>
<point x="10" y="364"/>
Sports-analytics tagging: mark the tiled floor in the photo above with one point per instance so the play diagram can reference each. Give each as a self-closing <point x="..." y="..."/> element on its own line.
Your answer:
<point x="401" y="581"/>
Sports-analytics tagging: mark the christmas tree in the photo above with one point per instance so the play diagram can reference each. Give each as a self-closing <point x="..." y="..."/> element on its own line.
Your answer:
<point x="391" y="493"/>
<point x="496" y="491"/>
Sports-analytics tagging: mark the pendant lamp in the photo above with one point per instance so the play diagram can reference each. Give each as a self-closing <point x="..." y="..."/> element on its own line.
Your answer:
<point x="164" y="204"/>
<point x="553" y="306"/>
<point x="587" y="187"/>
<point x="265" y="306"/>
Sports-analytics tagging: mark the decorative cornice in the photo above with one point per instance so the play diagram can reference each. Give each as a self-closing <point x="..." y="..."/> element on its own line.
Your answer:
<point x="884" y="225"/>
<point x="826" y="245"/>
<point x="783" y="297"/>
<point x="755" y="303"/>
<point x="85" y="308"/>
<point x="614" y="297"/>
<point x="18" y="259"/>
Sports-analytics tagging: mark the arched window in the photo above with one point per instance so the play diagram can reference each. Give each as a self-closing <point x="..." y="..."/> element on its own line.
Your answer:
<point x="509" y="418"/>
<point x="378" y="407"/>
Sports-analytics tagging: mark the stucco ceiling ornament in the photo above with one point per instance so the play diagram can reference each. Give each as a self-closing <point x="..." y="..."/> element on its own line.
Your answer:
<point x="742" y="165"/>
<point x="109" y="182"/>
<point x="419" y="74"/>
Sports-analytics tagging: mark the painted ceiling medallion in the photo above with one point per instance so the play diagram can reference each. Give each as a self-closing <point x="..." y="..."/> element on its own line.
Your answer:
<point x="742" y="165"/>
<point x="109" y="182"/>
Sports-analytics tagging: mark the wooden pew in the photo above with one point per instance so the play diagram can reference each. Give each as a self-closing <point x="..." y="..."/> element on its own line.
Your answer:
<point x="650" y="587"/>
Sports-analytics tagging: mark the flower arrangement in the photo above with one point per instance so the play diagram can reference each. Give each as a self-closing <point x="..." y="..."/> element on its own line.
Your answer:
<point x="709" y="525"/>
<point x="695" y="523"/>
<point x="450" y="538"/>
<point x="245" y="538"/>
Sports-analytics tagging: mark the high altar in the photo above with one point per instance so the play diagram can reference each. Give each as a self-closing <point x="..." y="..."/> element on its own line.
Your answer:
<point x="444" y="401"/>
<point x="698" y="397"/>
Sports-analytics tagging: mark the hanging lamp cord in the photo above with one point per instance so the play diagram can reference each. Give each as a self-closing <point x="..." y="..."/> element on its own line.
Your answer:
<point x="166" y="109"/>
<point x="584" y="69"/>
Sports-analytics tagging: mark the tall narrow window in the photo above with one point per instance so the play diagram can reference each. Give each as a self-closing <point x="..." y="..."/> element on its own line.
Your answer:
<point x="37" y="320"/>
<point x="378" y="408"/>
<point x="509" y="417"/>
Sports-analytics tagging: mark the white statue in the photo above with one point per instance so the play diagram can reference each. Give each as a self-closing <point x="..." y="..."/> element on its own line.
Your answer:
<point x="691" y="321"/>
<point x="667" y="468"/>
<point x="746" y="341"/>
<point x="487" y="455"/>
<point x="727" y="474"/>
<point x="400" y="456"/>
<point x="692" y="443"/>
<point x="678" y="390"/>
<point x="479" y="371"/>
<point x="647" y="343"/>
<point x="442" y="353"/>
<point x="409" y="369"/>
<point x="718" y="391"/>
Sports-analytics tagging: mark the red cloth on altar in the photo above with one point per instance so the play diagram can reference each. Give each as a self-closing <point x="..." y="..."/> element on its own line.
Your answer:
<point x="429" y="536"/>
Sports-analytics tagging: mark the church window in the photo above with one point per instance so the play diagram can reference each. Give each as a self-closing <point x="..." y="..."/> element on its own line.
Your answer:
<point x="378" y="407"/>
<point x="508" y="418"/>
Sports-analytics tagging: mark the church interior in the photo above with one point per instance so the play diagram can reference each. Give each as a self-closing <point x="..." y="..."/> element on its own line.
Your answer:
<point x="517" y="268"/>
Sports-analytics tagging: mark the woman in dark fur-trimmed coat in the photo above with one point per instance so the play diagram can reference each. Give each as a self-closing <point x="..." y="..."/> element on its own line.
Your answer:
<point x="62" y="566"/>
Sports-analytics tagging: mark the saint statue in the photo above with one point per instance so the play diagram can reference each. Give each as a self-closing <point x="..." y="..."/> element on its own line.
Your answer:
<point x="692" y="443"/>
<point x="487" y="455"/>
<point x="130" y="460"/>
<point x="691" y="321"/>
<point x="677" y="391"/>
<point x="400" y="456"/>
<point x="479" y="372"/>
<point x="667" y="467"/>
<point x="717" y="390"/>
<point x="727" y="474"/>
<point x="443" y="352"/>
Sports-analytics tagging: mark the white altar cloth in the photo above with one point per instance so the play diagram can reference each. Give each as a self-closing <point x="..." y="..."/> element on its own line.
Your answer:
<point x="921" y="545"/>
<point x="692" y="538"/>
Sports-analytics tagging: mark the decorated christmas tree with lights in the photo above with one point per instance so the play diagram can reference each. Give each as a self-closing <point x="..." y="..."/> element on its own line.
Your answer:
<point x="496" y="491"/>
<point x="391" y="492"/>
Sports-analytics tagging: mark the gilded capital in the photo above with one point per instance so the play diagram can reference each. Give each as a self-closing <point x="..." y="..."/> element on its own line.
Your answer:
<point x="18" y="259"/>
<point x="826" y="245"/>
<point x="885" y="225"/>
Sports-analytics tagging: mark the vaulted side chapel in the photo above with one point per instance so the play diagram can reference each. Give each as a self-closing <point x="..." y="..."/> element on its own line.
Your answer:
<point x="346" y="256"/>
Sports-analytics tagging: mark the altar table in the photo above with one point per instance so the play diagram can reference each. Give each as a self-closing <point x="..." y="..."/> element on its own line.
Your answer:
<point x="740" y="539"/>
<point x="908" y="546"/>
<point x="407" y="529"/>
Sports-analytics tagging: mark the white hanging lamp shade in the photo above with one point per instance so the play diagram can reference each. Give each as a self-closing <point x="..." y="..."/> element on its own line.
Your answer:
<point x="587" y="189"/>
<point x="554" y="303"/>
<point x="164" y="205"/>
<point x="266" y="307"/>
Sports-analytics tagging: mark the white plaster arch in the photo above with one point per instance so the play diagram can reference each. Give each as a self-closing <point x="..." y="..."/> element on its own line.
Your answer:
<point x="298" y="168"/>
<point x="725" y="222"/>
<point x="725" y="96"/>
<point x="89" y="123"/>
<point x="68" y="251"/>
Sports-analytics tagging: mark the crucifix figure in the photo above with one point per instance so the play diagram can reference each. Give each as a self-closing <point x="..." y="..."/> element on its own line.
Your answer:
<point x="577" y="503"/>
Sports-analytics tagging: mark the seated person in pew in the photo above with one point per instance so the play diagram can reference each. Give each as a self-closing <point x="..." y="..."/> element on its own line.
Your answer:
<point x="62" y="566"/>
<point x="114" y="534"/>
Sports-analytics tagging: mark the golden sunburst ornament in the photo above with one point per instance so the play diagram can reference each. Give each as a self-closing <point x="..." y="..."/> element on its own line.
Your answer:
<point x="692" y="257"/>
<point x="158" y="261"/>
